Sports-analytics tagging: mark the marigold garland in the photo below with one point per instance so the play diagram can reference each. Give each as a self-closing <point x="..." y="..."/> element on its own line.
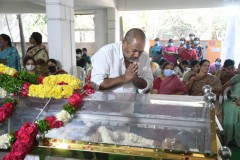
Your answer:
<point x="50" y="91"/>
<point x="7" y="70"/>
<point x="70" y="80"/>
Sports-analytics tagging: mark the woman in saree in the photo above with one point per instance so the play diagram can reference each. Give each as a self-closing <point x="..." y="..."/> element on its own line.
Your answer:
<point x="8" y="53"/>
<point x="37" y="50"/>
<point x="231" y="122"/>
<point x="227" y="72"/>
<point x="196" y="83"/>
<point x="168" y="82"/>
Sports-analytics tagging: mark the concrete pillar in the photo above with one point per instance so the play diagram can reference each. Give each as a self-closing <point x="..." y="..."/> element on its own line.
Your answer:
<point x="113" y="25"/>
<point x="60" y="26"/>
<point x="106" y="27"/>
<point x="100" y="20"/>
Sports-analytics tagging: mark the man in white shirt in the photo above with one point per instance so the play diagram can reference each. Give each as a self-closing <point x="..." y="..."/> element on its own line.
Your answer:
<point x="123" y="67"/>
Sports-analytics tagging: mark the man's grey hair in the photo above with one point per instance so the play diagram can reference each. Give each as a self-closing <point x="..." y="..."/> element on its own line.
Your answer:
<point x="134" y="33"/>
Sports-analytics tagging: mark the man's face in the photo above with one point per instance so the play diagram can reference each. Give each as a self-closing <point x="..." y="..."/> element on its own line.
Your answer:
<point x="132" y="51"/>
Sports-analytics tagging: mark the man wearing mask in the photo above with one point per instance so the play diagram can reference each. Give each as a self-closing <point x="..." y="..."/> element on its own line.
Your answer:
<point x="124" y="66"/>
<point x="188" y="53"/>
<point x="156" y="51"/>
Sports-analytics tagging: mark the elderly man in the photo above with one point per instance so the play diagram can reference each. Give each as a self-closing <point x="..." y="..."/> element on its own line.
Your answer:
<point x="124" y="66"/>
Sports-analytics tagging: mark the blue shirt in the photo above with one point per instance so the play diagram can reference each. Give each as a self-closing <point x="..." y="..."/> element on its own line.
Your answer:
<point x="156" y="51"/>
<point x="11" y="55"/>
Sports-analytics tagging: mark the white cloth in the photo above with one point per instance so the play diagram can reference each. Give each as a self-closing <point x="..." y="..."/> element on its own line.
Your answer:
<point x="108" y="62"/>
<point x="231" y="45"/>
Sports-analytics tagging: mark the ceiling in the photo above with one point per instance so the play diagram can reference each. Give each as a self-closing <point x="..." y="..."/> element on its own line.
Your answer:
<point x="38" y="6"/>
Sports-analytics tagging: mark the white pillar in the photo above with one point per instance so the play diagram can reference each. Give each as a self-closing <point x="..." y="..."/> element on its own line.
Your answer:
<point x="113" y="25"/>
<point x="60" y="25"/>
<point x="100" y="20"/>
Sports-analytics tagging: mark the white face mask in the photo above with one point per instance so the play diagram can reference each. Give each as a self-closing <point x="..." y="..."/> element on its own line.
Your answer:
<point x="30" y="67"/>
<point x="79" y="55"/>
<point x="181" y="42"/>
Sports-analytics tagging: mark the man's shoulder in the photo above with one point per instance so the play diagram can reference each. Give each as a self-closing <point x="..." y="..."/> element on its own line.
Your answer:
<point x="110" y="48"/>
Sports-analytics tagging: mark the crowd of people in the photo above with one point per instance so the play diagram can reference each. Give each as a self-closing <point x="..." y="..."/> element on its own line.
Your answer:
<point x="36" y="59"/>
<point x="125" y="67"/>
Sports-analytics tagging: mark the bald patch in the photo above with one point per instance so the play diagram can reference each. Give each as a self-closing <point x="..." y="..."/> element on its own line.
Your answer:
<point x="133" y="34"/>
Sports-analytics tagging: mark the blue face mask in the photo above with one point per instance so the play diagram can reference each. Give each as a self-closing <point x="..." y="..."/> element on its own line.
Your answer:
<point x="196" y="42"/>
<point x="168" y="72"/>
<point x="217" y="63"/>
<point x="188" y="46"/>
<point x="157" y="43"/>
<point x="170" y="44"/>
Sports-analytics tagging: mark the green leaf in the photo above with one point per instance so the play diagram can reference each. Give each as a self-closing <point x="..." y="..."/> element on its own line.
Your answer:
<point x="14" y="101"/>
<point x="70" y="108"/>
<point x="10" y="84"/>
<point x="27" y="77"/>
<point x="42" y="126"/>
<point x="12" y="138"/>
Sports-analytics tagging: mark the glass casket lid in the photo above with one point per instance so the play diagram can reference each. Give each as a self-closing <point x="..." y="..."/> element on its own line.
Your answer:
<point x="152" y="121"/>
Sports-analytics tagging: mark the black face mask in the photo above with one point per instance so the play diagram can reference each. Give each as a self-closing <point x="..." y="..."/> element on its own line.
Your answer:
<point x="52" y="69"/>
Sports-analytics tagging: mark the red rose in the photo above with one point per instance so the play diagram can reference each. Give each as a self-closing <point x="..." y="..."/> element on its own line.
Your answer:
<point x="57" y="124"/>
<point x="40" y="80"/>
<point x="8" y="107"/>
<point x="28" y="128"/>
<point x="20" y="149"/>
<point x="75" y="100"/>
<point x="11" y="156"/>
<point x="88" y="89"/>
<point x="53" y="122"/>
<point x="6" y="110"/>
<point x="25" y="88"/>
<point x="24" y="138"/>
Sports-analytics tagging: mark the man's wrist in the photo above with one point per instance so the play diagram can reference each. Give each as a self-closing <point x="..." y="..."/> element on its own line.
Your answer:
<point x="124" y="80"/>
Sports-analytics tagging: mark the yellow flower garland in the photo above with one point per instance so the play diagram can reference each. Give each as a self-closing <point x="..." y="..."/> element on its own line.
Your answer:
<point x="7" y="70"/>
<point x="50" y="91"/>
<point x="72" y="81"/>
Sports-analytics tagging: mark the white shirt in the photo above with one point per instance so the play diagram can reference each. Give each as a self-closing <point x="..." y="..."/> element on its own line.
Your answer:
<point x="108" y="62"/>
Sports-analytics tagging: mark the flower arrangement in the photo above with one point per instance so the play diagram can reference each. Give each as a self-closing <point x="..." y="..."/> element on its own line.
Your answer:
<point x="22" y="141"/>
<point x="70" y="80"/>
<point x="25" y="138"/>
<point x="25" y="141"/>
<point x="50" y="91"/>
<point x="25" y="84"/>
<point x="7" y="109"/>
<point x="7" y="70"/>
